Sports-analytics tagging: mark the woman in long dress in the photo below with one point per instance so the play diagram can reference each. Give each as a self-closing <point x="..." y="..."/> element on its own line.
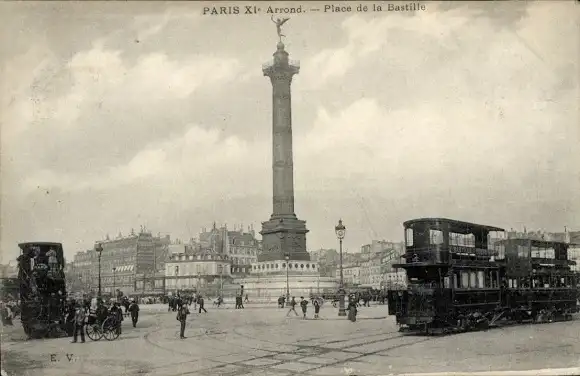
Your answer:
<point x="352" y="310"/>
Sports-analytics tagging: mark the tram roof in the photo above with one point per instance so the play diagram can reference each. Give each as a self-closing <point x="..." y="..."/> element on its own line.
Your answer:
<point x="459" y="227"/>
<point x="40" y="243"/>
<point x="58" y="246"/>
<point x="538" y="242"/>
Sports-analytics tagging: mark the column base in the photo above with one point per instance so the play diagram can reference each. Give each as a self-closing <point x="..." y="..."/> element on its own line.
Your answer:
<point x="341" y="312"/>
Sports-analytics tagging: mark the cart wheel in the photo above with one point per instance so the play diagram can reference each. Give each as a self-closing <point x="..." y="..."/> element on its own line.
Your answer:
<point x="94" y="332"/>
<point x="110" y="329"/>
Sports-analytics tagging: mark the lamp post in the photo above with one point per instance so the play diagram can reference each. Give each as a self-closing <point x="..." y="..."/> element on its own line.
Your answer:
<point x="340" y="232"/>
<point x="221" y="280"/>
<point x="114" y="292"/>
<point x="99" y="250"/>
<point x="287" y="258"/>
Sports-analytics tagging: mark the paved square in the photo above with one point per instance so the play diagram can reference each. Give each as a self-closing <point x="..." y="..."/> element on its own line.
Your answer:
<point x="153" y="348"/>
<point x="234" y="358"/>
<point x="261" y="362"/>
<point x="317" y="360"/>
<point x="296" y="367"/>
<point x="339" y="355"/>
<point x="288" y="356"/>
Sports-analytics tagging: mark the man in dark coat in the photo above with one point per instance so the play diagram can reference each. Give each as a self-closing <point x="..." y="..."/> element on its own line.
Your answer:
<point x="134" y="309"/>
<point x="201" y="302"/>
<point x="292" y="307"/>
<point x="316" y="308"/>
<point x="79" y="323"/>
<point x="303" y="305"/>
<point x="182" y="318"/>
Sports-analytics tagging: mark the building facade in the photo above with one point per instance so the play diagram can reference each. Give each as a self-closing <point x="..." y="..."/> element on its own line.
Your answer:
<point x="200" y="271"/>
<point x="241" y="247"/>
<point x="351" y="275"/>
<point x="122" y="259"/>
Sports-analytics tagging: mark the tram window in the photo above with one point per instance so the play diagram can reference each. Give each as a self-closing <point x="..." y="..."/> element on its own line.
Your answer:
<point x="500" y="249"/>
<point x="472" y="279"/>
<point x="522" y="251"/>
<point x="456" y="280"/>
<point x="480" y="279"/>
<point x="464" y="280"/>
<point x="547" y="253"/>
<point x="462" y="240"/>
<point x="436" y="237"/>
<point x="409" y="237"/>
<point x="446" y="282"/>
<point x="492" y="280"/>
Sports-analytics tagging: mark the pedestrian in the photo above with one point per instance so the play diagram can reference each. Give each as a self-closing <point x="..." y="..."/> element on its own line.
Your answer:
<point x="134" y="309"/>
<point x="292" y="307"/>
<point x="247" y="300"/>
<point x="303" y="305"/>
<point x="316" y="308"/>
<point x="79" y="322"/>
<point x="117" y="313"/>
<point x="201" y="302"/>
<point x="352" y="308"/>
<point x="6" y="313"/>
<point x="182" y="318"/>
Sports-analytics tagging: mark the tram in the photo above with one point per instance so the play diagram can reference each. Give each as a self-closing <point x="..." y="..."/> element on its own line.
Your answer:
<point x="42" y="289"/>
<point x="466" y="276"/>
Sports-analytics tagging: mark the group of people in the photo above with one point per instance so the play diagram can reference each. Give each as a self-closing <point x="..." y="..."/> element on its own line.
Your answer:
<point x="175" y="303"/>
<point x="78" y="313"/>
<point x="317" y="303"/>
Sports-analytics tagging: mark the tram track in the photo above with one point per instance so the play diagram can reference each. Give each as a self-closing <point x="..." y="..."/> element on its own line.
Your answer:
<point x="248" y="368"/>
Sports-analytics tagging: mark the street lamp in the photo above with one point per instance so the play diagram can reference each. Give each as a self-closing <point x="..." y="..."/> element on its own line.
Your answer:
<point x="221" y="268"/>
<point x="114" y="292"/>
<point x="287" y="258"/>
<point x="340" y="232"/>
<point x="99" y="250"/>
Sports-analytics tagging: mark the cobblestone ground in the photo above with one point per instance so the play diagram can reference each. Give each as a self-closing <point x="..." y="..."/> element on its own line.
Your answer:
<point x="266" y="342"/>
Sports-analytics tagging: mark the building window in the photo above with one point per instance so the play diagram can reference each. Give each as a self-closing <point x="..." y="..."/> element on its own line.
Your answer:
<point x="301" y="266"/>
<point x="295" y="266"/>
<point x="283" y="265"/>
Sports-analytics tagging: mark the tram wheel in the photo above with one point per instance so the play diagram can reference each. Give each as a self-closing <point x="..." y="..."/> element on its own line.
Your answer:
<point x="94" y="332"/>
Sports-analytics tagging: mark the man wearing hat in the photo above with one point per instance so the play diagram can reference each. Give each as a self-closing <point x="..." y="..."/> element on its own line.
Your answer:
<point x="134" y="309"/>
<point x="79" y="322"/>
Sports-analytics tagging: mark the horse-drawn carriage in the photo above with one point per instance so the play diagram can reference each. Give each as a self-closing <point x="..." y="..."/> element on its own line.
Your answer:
<point x="110" y="327"/>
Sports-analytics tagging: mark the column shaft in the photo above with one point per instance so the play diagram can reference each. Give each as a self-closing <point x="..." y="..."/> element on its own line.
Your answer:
<point x="282" y="158"/>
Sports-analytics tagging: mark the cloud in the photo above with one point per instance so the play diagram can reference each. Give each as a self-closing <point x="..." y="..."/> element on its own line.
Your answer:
<point x="438" y="113"/>
<point x="149" y="25"/>
<point x="366" y="36"/>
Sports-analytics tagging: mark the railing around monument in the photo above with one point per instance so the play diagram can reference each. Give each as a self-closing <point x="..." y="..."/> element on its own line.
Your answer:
<point x="291" y="62"/>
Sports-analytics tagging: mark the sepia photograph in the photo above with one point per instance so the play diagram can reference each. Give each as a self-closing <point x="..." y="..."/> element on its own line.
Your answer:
<point x="289" y="188"/>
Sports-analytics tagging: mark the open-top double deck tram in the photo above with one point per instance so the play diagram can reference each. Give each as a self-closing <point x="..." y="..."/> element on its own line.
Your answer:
<point x="465" y="276"/>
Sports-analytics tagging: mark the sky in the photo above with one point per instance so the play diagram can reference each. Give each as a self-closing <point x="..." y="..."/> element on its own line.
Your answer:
<point x="121" y="114"/>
